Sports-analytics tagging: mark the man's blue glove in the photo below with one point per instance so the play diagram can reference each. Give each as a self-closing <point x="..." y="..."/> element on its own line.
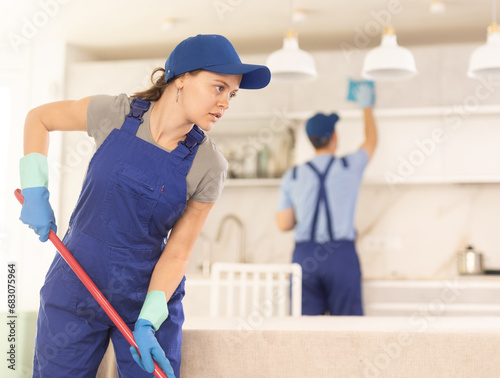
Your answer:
<point x="153" y="313"/>
<point x="149" y="348"/>
<point x="36" y="211"/>
<point x="362" y="92"/>
<point x="366" y="95"/>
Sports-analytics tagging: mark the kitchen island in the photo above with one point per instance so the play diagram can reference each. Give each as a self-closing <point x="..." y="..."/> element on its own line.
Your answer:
<point x="421" y="329"/>
<point x="422" y="345"/>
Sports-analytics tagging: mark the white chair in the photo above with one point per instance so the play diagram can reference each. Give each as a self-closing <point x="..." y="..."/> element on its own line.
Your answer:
<point x="264" y="290"/>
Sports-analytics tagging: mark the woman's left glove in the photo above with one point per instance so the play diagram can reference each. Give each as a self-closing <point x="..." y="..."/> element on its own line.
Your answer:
<point x="36" y="211"/>
<point x="153" y="313"/>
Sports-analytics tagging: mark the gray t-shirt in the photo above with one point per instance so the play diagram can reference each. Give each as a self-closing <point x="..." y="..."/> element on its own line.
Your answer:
<point x="205" y="180"/>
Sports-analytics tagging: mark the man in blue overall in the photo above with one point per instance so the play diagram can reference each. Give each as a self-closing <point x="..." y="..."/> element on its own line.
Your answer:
<point x="318" y="200"/>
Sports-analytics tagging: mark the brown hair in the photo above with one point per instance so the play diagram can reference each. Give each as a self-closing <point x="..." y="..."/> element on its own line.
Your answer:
<point x="154" y="92"/>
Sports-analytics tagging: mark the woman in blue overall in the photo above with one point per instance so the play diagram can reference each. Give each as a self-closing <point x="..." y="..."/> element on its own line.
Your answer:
<point x="318" y="200"/>
<point x="155" y="176"/>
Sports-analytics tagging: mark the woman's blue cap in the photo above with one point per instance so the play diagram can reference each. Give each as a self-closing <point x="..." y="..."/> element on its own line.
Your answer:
<point x="320" y="128"/>
<point x="214" y="53"/>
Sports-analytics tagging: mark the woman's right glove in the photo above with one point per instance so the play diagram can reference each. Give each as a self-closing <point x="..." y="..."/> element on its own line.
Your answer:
<point x="36" y="211"/>
<point x="144" y="335"/>
<point x="153" y="313"/>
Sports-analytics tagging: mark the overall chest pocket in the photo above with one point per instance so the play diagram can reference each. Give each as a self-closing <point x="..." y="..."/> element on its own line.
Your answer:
<point x="131" y="197"/>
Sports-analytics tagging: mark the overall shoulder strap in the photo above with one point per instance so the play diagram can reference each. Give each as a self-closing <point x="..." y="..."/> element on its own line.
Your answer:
<point x="322" y="198"/>
<point x="133" y="119"/>
<point x="186" y="150"/>
<point x="189" y="145"/>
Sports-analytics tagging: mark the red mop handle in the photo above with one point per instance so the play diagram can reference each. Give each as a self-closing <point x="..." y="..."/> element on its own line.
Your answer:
<point x="96" y="293"/>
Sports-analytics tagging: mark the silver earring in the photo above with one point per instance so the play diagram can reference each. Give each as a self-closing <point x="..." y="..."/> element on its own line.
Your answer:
<point x="178" y="93"/>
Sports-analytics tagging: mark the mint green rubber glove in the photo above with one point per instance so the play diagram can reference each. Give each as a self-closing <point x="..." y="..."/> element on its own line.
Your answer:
<point x="36" y="211"/>
<point x="155" y="308"/>
<point x="153" y="313"/>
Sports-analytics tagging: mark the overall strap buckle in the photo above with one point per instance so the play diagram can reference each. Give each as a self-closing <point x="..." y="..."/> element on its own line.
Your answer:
<point x="137" y="108"/>
<point x="194" y="138"/>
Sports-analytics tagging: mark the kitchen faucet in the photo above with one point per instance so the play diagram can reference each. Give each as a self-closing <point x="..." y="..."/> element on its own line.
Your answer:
<point x="239" y="223"/>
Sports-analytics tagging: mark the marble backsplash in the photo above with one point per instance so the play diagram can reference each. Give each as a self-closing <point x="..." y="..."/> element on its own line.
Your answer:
<point x="404" y="232"/>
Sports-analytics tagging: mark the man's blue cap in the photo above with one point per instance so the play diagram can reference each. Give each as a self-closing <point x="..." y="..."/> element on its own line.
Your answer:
<point x="320" y="128"/>
<point x="214" y="53"/>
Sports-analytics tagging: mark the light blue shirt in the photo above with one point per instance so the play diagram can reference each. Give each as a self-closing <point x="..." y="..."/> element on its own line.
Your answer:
<point x="342" y="187"/>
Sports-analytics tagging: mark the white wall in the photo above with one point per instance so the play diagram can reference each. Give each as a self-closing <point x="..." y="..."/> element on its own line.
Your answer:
<point x="34" y="80"/>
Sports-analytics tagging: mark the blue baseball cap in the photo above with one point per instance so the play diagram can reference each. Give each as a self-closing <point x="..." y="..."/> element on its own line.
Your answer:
<point x="320" y="128"/>
<point x="214" y="53"/>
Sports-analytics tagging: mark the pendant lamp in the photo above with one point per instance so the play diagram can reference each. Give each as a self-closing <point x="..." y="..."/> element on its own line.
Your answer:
<point x="290" y="63"/>
<point x="485" y="60"/>
<point x="389" y="61"/>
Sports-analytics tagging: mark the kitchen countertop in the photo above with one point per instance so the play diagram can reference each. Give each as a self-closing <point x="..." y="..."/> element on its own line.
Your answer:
<point x="199" y="278"/>
<point x="471" y="295"/>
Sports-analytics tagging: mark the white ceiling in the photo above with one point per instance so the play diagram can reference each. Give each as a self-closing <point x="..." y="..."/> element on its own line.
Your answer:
<point x="121" y="29"/>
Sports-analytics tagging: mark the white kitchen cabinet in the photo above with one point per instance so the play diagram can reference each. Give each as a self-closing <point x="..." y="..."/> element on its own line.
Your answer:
<point x="416" y="145"/>
<point x="407" y="150"/>
<point x="472" y="150"/>
<point x="429" y="145"/>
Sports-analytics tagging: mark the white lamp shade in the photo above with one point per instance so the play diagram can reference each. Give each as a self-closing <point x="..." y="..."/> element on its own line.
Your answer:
<point x="485" y="60"/>
<point x="389" y="61"/>
<point x="291" y="63"/>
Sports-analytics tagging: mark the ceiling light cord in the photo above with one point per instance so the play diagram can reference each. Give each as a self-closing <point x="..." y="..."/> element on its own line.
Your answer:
<point x="494" y="11"/>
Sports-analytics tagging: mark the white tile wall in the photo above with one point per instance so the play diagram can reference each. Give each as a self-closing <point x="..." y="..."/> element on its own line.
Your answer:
<point x="412" y="232"/>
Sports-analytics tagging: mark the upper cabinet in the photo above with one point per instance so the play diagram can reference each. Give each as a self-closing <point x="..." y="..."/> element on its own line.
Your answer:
<point x="472" y="150"/>
<point x="430" y="145"/>
<point x="415" y="145"/>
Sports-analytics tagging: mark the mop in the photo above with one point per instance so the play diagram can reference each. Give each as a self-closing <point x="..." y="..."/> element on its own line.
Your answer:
<point x="96" y="293"/>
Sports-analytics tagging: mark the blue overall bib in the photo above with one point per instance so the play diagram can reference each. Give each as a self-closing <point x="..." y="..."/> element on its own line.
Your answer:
<point x="131" y="197"/>
<point x="331" y="274"/>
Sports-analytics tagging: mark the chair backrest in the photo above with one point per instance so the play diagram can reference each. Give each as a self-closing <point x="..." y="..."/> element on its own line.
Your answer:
<point x="265" y="290"/>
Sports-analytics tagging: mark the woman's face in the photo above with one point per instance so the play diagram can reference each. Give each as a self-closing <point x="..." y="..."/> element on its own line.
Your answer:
<point x="205" y="96"/>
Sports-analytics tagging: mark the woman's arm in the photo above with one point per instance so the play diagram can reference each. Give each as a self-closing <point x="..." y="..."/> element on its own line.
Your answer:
<point x="60" y="115"/>
<point x="33" y="167"/>
<point x="173" y="262"/>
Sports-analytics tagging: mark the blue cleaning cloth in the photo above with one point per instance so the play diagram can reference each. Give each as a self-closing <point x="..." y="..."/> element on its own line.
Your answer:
<point x="353" y="88"/>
